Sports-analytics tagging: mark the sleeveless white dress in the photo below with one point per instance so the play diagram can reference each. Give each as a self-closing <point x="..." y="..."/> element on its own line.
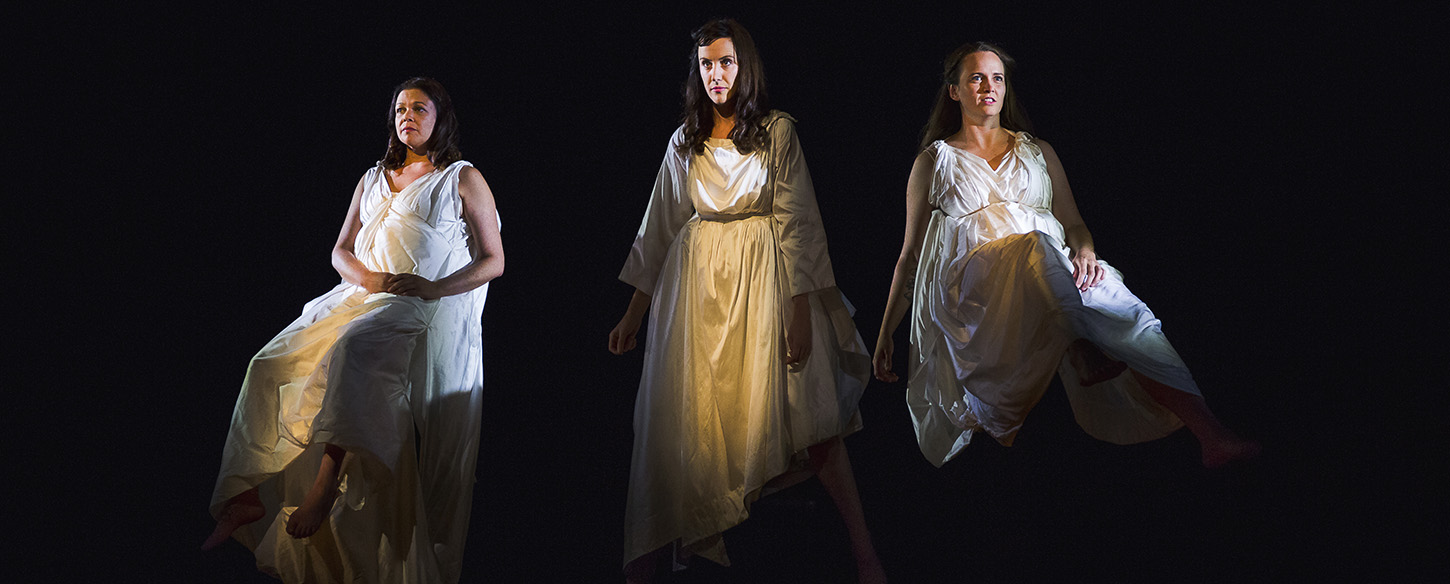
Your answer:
<point x="727" y="240"/>
<point x="369" y="372"/>
<point x="994" y="309"/>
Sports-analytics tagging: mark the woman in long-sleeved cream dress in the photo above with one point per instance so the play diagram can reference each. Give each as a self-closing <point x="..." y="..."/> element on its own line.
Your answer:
<point x="753" y="367"/>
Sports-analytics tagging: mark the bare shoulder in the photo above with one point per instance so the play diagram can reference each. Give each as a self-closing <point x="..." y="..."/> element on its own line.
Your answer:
<point x="1045" y="147"/>
<point x="925" y="163"/>
<point x="927" y="157"/>
<point x="470" y="178"/>
<point x="373" y="174"/>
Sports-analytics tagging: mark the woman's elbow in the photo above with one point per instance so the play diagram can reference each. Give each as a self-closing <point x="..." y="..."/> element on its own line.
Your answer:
<point x="495" y="266"/>
<point x="339" y="257"/>
<point x="906" y="262"/>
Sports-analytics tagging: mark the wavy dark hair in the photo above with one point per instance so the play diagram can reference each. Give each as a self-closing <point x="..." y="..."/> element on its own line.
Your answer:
<point x="946" y="115"/>
<point x="442" y="145"/>
<point x="751" y="103"/>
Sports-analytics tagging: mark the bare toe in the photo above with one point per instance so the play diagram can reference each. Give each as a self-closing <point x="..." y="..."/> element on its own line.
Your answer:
<point x="308" y="517"/>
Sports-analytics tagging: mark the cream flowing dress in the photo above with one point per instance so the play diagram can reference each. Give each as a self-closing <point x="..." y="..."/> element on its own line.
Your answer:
<point x="994" y="310"/>
<point x="727" y="240"/>
<point x="368" y="372"/>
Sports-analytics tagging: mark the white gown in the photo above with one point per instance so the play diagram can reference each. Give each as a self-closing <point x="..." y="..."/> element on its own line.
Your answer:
<point x="994" y="310"/>
<point x="726" y="242"/>
<point x="368" y="372"/>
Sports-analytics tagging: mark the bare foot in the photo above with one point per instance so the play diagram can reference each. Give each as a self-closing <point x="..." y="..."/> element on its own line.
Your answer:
<point x="1092" y="365"/>
<point x="238" y="511"/>
<point x="1229" y="450"/>
<point x="315" y="507"/>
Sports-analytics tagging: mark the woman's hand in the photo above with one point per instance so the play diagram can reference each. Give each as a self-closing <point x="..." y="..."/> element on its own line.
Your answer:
<point x="375" y="282"/>
<point x="413" y="285"/>
<point x="798" y="333"/>
<point x="1086" y="271"/>
<point x="623" y="338"/>
<point x="881" y="361"/>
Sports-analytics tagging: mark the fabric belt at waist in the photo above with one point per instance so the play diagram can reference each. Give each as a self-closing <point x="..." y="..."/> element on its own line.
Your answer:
<point x="727" y="217"/>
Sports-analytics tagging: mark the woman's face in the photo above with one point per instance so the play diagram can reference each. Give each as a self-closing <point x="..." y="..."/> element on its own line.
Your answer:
<point x="982" y="86"/>
<point x="413" y="118"/>
<point x="718" y="67"/>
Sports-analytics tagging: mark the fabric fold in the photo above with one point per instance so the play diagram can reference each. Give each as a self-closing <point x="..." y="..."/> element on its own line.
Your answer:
<point x="394" y="380"/>
<point x="995" y="309"/>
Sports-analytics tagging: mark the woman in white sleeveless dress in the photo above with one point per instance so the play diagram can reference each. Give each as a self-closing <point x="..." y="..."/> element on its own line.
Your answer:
<point x="1006" y="290"/>
<point x="322" y="476"/>
<point x="753" y="367"/>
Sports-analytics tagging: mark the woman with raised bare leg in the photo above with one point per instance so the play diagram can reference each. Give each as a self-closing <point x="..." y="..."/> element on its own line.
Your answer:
<point x="1006" y="289"/>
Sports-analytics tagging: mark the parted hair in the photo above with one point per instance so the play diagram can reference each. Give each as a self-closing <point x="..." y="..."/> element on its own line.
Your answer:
<point x="751" y="102"/>
<point x="442" y="145"/>
<point x="946" y="115"/>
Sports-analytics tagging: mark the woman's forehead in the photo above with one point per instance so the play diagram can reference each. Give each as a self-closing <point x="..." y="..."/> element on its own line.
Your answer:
<point x="718" y="48"/>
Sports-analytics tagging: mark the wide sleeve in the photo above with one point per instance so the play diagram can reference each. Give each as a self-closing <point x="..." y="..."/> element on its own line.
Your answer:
<point x="668" y="211"/>
<point x="797" y="218"/>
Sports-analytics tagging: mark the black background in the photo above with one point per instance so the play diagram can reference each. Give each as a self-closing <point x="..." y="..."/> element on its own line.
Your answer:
<point x="1261" y="176"/>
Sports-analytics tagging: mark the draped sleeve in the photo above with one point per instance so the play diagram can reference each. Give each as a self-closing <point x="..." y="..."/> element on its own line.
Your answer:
<point x="797" y="218"/>
<point x="668" y="211"/>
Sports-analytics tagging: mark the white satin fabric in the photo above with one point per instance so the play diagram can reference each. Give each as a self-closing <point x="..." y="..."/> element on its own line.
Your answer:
<point x="368" y="372"/>
<point x="727" y="240"/>
<point x="994" y="309"/>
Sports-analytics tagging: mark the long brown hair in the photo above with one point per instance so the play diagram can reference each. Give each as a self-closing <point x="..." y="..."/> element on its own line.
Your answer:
<point x="751" y="103"/>
<point x="442" y="145"/>
<point x="946" y="115"/>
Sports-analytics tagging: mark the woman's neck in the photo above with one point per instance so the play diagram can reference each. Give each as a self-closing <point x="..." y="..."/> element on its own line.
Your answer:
<point x="416" y="160"/>
<point x="724" y="120"/>
<point x="984" y="134"/>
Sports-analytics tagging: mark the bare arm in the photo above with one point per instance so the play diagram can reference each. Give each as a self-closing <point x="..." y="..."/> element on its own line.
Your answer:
<point x="481" y="216"/>
<point x="344" y="260"/>
<point x="918" y="215"/>
<point x="1086" y="271"/>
